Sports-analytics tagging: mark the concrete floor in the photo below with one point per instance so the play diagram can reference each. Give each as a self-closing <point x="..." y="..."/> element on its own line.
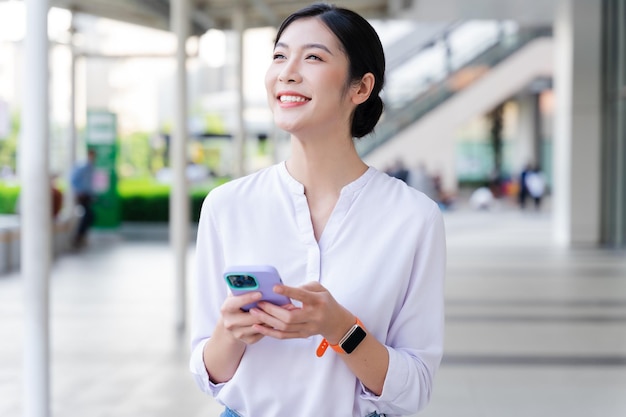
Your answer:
<point x="533" y="330"/>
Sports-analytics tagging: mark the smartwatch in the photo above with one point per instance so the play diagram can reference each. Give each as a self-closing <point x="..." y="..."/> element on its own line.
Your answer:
<point x="348" y="342"/>
<point x="351" y="340"/>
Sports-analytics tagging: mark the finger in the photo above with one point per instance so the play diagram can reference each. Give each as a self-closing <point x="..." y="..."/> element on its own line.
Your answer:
<point x="276" y="333"/>
<point x="240" y="323"/>
<point x="247" y="332"/>
<point x="241" y="326"/>
<point x="233" y="303"/>
<point x="294" y="323"/>
<point x="271" y="316"/>
<point x="296" y="293"/>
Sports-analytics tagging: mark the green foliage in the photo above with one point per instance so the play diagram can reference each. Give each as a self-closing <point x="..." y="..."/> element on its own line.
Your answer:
<point x="141" y="187"/>
<point x="141" y="200"/>
<point x="140" y="155"/>
<point x="144" y="200"/>
<point x="8" y="145"/>
<point x="8" y="197"/>
<point x="134" y="155"/>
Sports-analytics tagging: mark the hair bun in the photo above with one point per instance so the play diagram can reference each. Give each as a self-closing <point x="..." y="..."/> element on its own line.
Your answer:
<point x="366" y="116"/>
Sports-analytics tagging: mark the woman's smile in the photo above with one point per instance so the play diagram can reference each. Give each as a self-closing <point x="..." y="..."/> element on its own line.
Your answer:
<point x="291" y="99"/>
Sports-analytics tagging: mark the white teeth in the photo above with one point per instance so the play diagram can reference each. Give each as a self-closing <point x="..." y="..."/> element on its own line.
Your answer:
<point x="292" y="99"/>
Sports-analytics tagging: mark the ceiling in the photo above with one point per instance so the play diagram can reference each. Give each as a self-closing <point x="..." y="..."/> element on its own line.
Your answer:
<point x="218" y="14"/>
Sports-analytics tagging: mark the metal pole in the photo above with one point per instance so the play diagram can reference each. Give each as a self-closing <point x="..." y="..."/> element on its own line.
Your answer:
<point x="36" y="217"/>
<point x="179" y="196"/>
<point x="71" y="157"/>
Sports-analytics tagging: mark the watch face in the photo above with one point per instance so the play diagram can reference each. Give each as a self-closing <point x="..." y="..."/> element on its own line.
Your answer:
<point x="354" y="339"/>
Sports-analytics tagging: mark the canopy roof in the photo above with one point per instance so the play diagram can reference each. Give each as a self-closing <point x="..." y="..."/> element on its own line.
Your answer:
<point x="216" y="14"/>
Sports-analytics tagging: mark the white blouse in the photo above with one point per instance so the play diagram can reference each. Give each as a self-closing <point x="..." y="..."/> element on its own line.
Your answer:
<point x="382" y="256"/>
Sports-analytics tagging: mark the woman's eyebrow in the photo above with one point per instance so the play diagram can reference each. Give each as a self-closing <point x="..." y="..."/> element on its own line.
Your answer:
<point x="317" y="46"/>
<point x="306" y="46"/>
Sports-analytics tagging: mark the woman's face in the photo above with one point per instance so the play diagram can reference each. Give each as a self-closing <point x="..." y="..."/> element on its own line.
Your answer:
<point x="306" y="81"/>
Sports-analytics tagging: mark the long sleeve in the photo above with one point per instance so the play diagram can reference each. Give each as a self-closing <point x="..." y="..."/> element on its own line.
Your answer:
<point x="207" y="294"/>
<point x="415" y="339"/>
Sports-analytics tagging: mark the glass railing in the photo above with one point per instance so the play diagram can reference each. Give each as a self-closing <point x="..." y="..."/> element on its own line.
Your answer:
<point x="415" y="39"/>
<point x="441" y="70"/>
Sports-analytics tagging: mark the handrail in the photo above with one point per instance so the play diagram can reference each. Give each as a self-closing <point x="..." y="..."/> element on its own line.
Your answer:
<point x="415" y="42"/>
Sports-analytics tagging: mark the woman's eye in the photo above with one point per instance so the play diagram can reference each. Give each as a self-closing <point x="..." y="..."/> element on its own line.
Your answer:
<point x="314" y="57"/>
<point x="279" y="56"/>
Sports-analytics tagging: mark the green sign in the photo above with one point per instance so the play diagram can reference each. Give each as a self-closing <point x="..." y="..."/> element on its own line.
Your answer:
<point x="101" y="137"/>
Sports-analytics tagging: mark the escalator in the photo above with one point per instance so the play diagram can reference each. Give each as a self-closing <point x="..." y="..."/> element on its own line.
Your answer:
<point x="464" y="71"/>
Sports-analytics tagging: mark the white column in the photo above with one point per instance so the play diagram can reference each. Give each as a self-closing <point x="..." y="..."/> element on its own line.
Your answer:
<point x="526" y="150"/>
<point x="239" y="24"/>
<point x="179" y="196"/>
<point x="577" y="141"/>
<point x="35" y="212"/>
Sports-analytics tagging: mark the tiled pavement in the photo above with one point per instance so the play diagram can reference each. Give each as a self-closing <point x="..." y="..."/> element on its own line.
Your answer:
<point x="533" y="330"/>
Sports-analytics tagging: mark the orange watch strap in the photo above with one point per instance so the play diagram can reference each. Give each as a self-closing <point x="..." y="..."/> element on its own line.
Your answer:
<point x="321" y="349"/>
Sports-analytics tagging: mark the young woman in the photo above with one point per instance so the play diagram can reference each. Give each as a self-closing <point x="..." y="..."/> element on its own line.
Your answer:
<point x="361" y="254"/>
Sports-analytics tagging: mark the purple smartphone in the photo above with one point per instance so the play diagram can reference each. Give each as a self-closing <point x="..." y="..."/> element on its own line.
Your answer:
<point x="245" y="278"/>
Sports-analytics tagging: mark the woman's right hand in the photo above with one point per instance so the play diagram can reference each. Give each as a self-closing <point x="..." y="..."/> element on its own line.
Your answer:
<point x="226" y="346"/>
<point x="238" y="323"/>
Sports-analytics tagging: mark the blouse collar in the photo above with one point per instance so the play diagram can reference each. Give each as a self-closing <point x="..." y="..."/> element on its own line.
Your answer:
<point x="298" y="188"/>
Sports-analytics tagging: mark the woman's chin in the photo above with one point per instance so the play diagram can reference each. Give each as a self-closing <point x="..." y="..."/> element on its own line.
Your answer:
<point x="286" y="125"/>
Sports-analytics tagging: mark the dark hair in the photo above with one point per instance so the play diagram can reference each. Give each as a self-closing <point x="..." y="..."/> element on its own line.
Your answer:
<point x="364" y="50"/>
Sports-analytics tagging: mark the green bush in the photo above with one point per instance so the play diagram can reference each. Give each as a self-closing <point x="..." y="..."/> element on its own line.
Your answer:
<point x="141" y="200"/>
<point x="8" y="197"/>
<point x="148" y="201"/>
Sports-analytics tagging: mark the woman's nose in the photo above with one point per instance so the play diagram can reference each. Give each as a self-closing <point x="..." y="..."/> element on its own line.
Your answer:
<point x="290" y="73"/>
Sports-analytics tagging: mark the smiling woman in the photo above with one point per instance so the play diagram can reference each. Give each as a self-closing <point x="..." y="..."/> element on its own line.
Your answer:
<point x="312" y="218"/>
<point x="337" y="62"/>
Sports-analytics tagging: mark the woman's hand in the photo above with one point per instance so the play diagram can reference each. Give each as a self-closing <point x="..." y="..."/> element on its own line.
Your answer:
<point x="320" y="314"/>
<point x="239" y="324"/>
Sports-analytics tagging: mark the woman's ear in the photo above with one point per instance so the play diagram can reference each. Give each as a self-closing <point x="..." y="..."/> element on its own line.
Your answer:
<point x="363" y="89"/>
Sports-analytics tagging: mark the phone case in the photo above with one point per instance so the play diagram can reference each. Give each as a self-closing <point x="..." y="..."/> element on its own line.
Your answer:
<point x="245" y="278"/>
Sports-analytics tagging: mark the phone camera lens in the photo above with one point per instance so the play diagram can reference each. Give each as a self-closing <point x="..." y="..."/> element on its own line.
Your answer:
<point x="239" y="281"/>
<point x="242" y="281"/>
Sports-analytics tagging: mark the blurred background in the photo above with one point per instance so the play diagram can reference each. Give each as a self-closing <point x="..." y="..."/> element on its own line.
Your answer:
<point x="507" y="113"/>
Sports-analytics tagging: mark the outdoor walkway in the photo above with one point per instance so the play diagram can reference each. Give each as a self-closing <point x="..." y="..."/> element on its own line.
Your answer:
<point x="532" y="330"/>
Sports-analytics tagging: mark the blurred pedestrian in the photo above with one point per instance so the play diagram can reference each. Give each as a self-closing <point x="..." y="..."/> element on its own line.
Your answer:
<point x="82" y="185"/>
<point x="399" y="170"/>
<point x="482" y="198"/>
<point x="536" y="185"/>
<point x="57" y="197"/>
<point x="523" y="189"/>
<point x="420" y="179"/>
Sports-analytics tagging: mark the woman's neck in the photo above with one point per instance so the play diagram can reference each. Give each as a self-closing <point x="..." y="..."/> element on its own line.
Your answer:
<point x="324" y="165"/>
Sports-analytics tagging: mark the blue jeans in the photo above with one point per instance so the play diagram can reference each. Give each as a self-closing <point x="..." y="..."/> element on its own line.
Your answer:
<point x="230" y="413"/>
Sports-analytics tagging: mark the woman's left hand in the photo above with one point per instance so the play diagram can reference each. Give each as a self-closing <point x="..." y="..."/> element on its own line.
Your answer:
<point x="320" y="314"/>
